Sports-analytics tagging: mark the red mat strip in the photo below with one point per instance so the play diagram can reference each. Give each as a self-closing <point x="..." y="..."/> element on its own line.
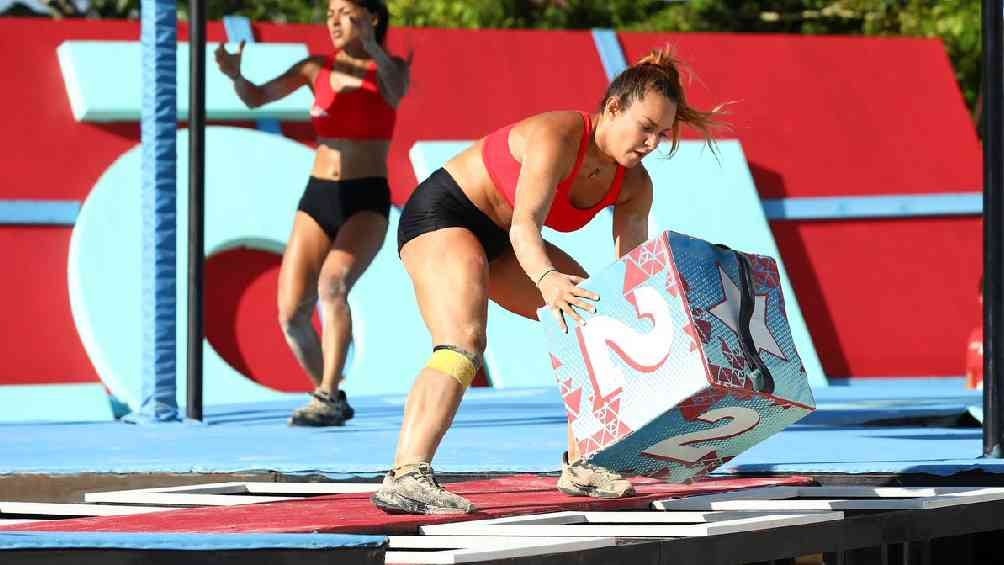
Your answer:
<point x="353" y="513"/>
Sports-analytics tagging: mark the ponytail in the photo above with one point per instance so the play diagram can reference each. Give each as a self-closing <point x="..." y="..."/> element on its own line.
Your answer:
<point x="659" y="71"/>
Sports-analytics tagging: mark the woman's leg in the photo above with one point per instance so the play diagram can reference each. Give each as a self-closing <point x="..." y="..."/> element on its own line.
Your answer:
<point x="510" y="288"/>
<point x="356" y="245"/>
<point x="450" y="274"/>
<point x="301" y="264"/>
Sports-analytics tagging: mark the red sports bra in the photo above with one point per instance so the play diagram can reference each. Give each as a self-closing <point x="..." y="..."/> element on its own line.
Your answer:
<point x="563" y="215"/>
<point x="360" y="113"/>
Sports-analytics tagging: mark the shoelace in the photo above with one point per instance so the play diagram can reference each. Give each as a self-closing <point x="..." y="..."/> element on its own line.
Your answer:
<point x="323" y="397"/>
<point x="424" y="475"/>
<point x="605" y="473"/>
<point x="336" y="402"/>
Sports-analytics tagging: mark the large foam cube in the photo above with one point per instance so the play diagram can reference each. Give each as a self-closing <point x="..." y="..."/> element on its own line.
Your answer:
<point x="687" y="362"/>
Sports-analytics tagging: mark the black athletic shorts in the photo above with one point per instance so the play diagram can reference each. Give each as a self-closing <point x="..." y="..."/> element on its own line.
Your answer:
<point x="440" y="203"/>
<point x="331" y="202"/>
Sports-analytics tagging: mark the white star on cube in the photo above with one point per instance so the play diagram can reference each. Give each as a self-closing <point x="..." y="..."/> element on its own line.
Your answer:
<point x="728" y="312"/>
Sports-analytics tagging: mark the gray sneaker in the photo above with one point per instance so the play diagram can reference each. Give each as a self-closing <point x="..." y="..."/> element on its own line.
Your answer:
<point x="322" y="410"/>
<point x="582" y="479"/>
<point x="413" y="490"/>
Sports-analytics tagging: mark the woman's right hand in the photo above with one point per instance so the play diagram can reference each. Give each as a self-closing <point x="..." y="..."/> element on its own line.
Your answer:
<point x="563" y="295"/>
<point x="229" y="63"/>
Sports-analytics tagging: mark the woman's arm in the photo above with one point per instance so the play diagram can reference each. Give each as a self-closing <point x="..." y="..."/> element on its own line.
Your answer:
<point x="549" y="153"/>
<point x="393" y="72"/>
<point x="631" y="215"/>
<point x="539" y="176"/>
<point x="254" y="95"/>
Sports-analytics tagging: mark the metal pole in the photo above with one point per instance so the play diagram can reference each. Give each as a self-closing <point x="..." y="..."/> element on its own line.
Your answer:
<point x="196" y="187"/>
<point x="993" y="230"/>
<point x="159" y="191"/>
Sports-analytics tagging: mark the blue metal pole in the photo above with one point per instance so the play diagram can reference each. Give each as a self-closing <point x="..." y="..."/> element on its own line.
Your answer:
<point x="158" y="132"/>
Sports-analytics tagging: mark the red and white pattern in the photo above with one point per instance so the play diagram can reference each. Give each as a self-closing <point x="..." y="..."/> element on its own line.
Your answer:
<point x="733" y="375"/>
<point x="613" y="429"/>
<point x="765" y="274"/>
<point x="572" y="396"/>
<point x="644" y="262"/>
<point x="657" y="383"/>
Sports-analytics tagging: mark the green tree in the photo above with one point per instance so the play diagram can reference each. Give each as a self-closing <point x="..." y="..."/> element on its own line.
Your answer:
<point x="280" y="11"/>
<point x="543" y="14"/>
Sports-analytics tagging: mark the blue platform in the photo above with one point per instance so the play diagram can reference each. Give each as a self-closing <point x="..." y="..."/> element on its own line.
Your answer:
<point x="877" y="426"/>
<point x="184" y="541"/>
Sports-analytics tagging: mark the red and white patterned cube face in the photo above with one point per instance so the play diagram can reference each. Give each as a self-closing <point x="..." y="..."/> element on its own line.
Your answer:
<point x="657" y="382"/>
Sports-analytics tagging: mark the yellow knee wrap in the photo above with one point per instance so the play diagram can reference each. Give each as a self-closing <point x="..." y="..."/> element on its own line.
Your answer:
<point x="454" y="364"/>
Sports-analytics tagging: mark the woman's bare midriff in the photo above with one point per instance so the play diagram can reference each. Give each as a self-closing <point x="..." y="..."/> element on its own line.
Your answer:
<point x="347" y="159"/>
<point x="468" y="169"/>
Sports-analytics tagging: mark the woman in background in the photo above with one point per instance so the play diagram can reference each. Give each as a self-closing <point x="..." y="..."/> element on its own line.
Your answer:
<point x="341" y="219"/>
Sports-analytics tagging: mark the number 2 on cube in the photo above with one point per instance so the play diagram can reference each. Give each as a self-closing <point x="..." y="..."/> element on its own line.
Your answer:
<point x="643" y="352"/>
<point x="678" y="448"/>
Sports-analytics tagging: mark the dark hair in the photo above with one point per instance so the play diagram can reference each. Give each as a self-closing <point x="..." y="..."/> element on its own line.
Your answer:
<point x="660" y="71"/>
<point x="379" y="9"/>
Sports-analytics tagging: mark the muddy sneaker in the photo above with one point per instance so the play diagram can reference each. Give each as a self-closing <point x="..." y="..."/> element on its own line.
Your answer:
<point x="323" y="411"/>
<point x="412" y="489"/>
<point x="343" y="403"/>
<point x="583" y="479"/>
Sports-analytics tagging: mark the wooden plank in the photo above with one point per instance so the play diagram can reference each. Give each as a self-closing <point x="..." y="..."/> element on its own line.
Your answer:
<point x="552" y="518"/>
<point x="475" y="528"/>
<point x="972" y="497"/>
<point x="310" y="488"/>
<point x="880" y="492"/>
<point x="460" y="542"/>
<point x="471" y="555"/>
<point x="698" y="503"/>
<point x="771" y="521"/>
<point x="204" y="488"/>
<point x="663" y="517"/>
<point x="567" y="530"/>
<point x="619" y="517"/>
<point x="236" y="488"/>
<point x="252" y="488"/>
<point x="797" y="505"/>
<point x="759" y="492"/>
<point x="831" y="498"/>
<point x="526" y="547"/>
<point x="178" y="499"/>
<point x="53" y="509"/>
<point x="787" y="505"/>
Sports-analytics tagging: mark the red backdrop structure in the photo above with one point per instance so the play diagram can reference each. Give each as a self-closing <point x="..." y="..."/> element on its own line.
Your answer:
<point x="817" y="116"/>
